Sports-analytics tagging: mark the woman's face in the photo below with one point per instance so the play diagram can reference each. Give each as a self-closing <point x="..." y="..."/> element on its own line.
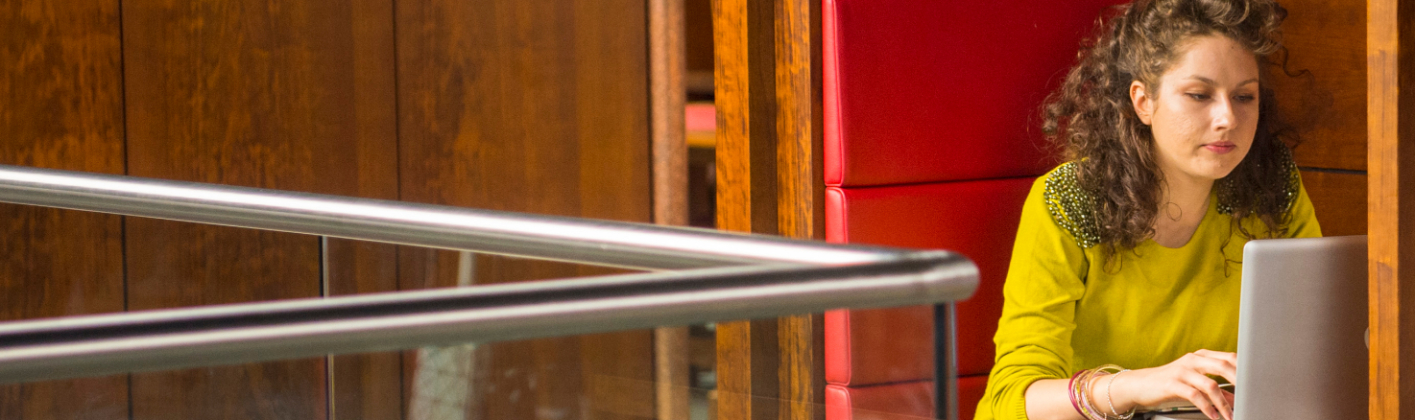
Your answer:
<point x="1205" y="110"/>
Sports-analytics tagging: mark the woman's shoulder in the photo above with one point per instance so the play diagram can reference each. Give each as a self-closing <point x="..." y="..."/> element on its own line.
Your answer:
<point x="1289" y="189"/>
<point x="1067" y="204"/>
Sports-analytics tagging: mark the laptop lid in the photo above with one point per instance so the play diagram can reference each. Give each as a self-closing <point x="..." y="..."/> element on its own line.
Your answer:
<point x="1301" y="329"/>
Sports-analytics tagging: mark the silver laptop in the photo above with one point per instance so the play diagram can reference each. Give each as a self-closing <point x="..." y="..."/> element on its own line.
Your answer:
<point x="1302" y="320"/>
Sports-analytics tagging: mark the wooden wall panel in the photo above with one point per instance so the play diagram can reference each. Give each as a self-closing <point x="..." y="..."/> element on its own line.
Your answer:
<point x="61" y="106"/>
<point x="1339" y="199"/>
<point x="367" y="386"/>
<point x="533" y="106"/>
<point x="1327" y="40"/>
<point x="1326" y="102"/>
<point x="292" y="95"/>
<point x="364" y="386"/>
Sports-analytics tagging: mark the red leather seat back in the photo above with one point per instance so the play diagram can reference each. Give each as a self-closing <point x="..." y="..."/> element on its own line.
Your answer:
<point x="932" y="141"/>
<point x="928" y="91"/>
<point x="976" y="218"/>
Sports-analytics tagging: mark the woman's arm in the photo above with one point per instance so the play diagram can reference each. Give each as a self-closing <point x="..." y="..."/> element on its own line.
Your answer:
<point x="1186" y="379"/>
<point x="1049" y="399"/>
<point x="1302" y="218"/>
<point x="1044" y="282"/>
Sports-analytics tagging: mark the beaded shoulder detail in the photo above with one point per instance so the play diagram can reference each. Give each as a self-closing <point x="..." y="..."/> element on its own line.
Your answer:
<point x="1294" y="185"/>
<point x="1071" y="207"/>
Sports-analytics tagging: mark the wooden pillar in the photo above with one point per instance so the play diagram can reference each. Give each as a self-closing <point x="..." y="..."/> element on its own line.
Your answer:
<point x="1390" y="48"/>
<point x="667" y="95"/>
<point x="768" y="95"/>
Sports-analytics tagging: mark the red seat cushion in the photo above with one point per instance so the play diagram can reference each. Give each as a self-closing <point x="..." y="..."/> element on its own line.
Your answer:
<point x="923" y="91"/>
<point x="970" y="391"/>
<point x="879" y="346"/>
<point x="976" y="218"/>
<point x="902" y="401"/>
<point x="931" y="141"/>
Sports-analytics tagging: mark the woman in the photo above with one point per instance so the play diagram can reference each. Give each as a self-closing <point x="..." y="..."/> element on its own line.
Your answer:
<point x="1129" y="255"/>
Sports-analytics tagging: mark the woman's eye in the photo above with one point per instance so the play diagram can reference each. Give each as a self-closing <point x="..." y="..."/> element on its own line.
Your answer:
<point x="1244" y="98"/>
<point x="1198" y="96"/>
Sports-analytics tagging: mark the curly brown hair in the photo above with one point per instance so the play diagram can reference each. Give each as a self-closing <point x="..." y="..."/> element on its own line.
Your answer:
<point x="1091" y="117"/>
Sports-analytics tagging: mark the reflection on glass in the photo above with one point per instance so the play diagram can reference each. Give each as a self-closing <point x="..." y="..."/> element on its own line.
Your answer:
<point x="442" y="383"/>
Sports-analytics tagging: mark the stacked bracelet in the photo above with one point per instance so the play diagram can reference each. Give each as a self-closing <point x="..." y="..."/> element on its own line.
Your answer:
<point x="1071" y="389"/>
<point x="1111" y="402"/>
<point x="1082" y="400"/>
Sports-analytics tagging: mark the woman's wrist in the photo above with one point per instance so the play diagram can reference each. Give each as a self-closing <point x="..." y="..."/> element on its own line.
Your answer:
<point x="1122" y="390"/>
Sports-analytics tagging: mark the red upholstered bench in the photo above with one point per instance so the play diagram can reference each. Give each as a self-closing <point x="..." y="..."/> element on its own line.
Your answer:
<point x="931" y="141"/>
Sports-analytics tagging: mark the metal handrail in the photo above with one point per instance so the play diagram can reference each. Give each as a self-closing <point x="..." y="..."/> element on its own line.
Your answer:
<point x="623" y="244"/>
<point x="721" y="276"/>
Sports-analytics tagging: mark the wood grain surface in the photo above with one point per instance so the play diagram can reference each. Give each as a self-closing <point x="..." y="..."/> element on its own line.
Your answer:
<point x="1324" y="96"/>
<point x="743" y="347"/>
<point x="667" y="94"/>
<point x="284" y="95"/>
<point x="1390" y="90"/>
<point x="367" y="386"/>
<point x="532" y="106"/>
<point x="527" y="106"/>
<point x="1321" y="93"/>
<point x="768" y="98"/>
<point x="1339" y="199"/>
<point x="800" y="194"/>
<point x="61" y="106"/>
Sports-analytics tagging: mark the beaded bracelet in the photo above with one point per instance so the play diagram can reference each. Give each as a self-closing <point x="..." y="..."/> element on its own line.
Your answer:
<point x="1111" y="403"/>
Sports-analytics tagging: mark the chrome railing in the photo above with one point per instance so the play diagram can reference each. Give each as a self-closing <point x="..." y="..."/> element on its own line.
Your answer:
<point x="719" y="276"/>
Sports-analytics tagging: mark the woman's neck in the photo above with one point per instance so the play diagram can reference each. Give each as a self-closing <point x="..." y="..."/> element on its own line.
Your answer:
<point x="1187" y="192"/>
<point x="1183" y="202"/>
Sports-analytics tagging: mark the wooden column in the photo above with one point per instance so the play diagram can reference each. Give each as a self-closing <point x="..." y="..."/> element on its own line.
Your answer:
<point x="769" y="178"/>
<point x="670" y="186"/>
<point x="1390" y="49"/>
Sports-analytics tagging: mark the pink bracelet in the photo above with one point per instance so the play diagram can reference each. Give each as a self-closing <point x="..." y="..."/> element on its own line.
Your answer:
<point x="1071" y="391"/>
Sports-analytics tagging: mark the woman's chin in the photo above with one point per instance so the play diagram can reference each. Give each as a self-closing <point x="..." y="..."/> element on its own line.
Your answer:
<point x="1213" y="172"/>
<point x="1214" y="167"/>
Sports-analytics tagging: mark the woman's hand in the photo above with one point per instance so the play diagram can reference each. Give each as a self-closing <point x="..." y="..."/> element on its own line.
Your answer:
<point x="1185" y="379"/>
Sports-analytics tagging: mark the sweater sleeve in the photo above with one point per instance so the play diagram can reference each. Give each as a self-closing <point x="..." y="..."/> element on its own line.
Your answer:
<point x="1044" y="282"/>
<point x="1302" y="218"/>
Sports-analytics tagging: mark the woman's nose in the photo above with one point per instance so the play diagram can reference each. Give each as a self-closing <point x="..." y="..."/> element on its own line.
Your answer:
<point x="1223" y="115"/>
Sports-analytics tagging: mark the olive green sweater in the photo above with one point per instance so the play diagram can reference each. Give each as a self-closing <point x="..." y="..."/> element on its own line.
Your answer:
<point x="1063" y="311"/>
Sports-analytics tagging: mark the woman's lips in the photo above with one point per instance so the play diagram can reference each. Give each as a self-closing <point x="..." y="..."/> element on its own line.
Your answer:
<point x="1221" y="147"/>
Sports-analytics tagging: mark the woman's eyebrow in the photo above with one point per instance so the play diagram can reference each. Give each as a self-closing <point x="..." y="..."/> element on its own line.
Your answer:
<point x="1212" y="82"/>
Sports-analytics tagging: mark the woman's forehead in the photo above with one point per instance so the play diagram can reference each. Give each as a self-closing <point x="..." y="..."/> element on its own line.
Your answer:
<point x="1215" y="60"/>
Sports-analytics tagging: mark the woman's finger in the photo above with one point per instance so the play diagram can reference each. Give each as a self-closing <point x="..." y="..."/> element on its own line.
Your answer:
<point x="1222" y="367"/>
<point x="1199" y="400"/>
<point x="1232" y="357"/>
<point x="1210" y="391"/>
